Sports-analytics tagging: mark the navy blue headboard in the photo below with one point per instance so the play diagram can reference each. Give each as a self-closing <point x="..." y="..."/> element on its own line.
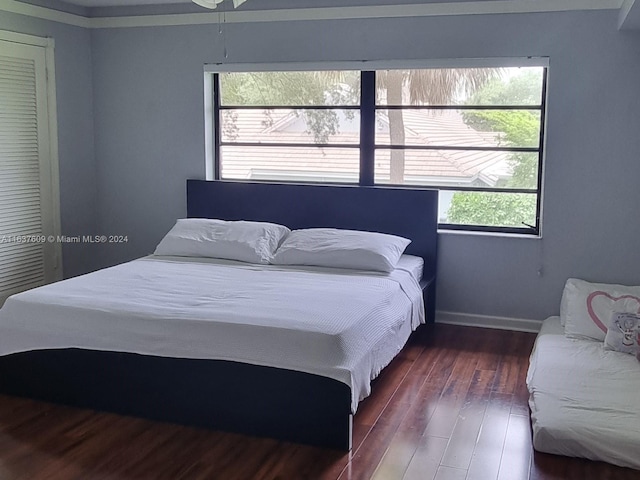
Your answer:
<point x="412" y="214"/>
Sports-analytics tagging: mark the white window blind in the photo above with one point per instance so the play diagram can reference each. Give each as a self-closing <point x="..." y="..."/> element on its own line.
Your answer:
<point x="27" y="257"/>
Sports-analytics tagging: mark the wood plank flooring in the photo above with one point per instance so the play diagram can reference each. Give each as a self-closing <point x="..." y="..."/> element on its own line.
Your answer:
<point x="451" y="406"/>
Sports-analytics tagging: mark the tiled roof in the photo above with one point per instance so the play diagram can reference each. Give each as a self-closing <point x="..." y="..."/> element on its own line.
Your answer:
<point x="443" y="128"/>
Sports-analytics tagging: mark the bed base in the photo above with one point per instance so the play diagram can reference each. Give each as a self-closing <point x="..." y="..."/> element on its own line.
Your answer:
<point x="229" y="396"/>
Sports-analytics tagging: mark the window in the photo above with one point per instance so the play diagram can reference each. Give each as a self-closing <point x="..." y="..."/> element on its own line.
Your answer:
<point x="474" y="133"/>
<point x="292" y="126"/>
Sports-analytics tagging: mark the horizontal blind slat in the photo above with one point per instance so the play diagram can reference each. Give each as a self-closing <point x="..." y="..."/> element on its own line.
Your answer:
<point x="22" y="250"/>
<point x="23" y="281"/>
<point x="21" y="264"/>
<point x="8" y="234"/>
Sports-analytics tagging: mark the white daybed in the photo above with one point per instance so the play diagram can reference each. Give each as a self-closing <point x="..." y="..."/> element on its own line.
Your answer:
<point x="584" y="400"/>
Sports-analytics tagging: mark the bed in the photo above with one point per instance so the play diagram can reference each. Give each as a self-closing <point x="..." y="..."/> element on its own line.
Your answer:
<point x="583" y="398"/>
<point x="167" y="381"/>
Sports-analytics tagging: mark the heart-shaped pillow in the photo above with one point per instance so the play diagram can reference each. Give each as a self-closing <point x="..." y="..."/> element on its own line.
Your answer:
<point x="600" y="305"/>
<point x="586" y="308"/>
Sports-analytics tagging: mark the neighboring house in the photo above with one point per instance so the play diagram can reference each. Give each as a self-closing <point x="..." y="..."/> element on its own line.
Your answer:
<point x="341" y="164"/>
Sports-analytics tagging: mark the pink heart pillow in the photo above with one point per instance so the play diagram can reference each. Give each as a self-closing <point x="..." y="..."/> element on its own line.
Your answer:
<point x="600" y="305"/>
<point x="586" y="308"/>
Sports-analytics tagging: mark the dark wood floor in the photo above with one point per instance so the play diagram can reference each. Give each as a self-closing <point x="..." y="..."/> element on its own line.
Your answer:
<point x="452" y="405"/>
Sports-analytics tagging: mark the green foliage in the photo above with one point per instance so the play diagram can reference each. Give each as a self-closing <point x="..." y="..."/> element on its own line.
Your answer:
<point x="519" y="128"/>
<point x="495" y="209"/>
<point x="522" y="89"/>
<point x="516" y="128"/>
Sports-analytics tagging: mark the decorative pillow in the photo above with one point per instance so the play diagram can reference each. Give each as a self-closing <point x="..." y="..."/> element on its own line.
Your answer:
<point x="253" y="242"/>
<point x="622" y="332"/>
<point x="586" y="308"/>
<point x="330" y="247"/>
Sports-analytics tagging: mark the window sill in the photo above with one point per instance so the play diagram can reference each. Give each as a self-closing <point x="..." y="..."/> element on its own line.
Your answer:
<point x="521" y="236"/>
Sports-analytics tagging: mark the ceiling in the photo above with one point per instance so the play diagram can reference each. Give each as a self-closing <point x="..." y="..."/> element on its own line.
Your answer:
<point x="122" y="3"/>
<point x="312" y="3"/>
<point x="112" y="13"/>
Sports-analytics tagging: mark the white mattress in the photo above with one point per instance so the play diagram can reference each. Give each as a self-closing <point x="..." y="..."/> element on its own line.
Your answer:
<point x="584" y="400"/>
<point x="413" y="265"/>
<point x="342" y="324"/>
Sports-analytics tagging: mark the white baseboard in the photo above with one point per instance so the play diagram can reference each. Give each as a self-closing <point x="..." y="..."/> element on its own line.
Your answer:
<point x="487" y="321"/>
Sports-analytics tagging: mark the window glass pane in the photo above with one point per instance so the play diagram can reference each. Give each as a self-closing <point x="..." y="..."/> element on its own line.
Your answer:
<point x="495" y="209"/>
<point x="296" y="164"/>
<point x="459" y="128"/>
<point x="290" y="88"/>
<point x="460" y="86"/>
<point x="469" y="168"/>
<point x="305" y="127"/>
<point x="290" y="126"/>
<point x="513" y="86"/>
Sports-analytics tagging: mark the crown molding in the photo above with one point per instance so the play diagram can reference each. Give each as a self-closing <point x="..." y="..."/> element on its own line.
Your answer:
<point x="487" y="7"/>
<point x="44" y="13"/>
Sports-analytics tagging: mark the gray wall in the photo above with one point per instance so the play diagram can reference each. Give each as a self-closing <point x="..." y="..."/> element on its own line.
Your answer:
<point x="148" y="91"/>
<point x="149" y="138"/>
<point x="78" y="185"/>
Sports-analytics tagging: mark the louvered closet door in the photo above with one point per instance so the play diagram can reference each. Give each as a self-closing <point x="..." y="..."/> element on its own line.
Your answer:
<point x="26" y="213"/>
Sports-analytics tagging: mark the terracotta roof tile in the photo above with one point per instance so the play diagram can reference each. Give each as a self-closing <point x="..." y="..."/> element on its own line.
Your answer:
<point x="443" y="128"/>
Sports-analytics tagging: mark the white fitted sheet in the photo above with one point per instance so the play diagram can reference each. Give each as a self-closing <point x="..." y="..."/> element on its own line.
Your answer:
<point x="343" y="324"/>
<point x="584" y="399"/>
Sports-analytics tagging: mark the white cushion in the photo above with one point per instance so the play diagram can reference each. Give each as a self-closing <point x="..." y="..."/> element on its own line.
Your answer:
<point x="253" y="242"/>
<point x="330" y="247"/>
<point x="586" y="308"/>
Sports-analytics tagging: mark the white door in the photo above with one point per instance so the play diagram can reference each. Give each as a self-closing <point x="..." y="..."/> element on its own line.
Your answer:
<point x="28" y="176"/>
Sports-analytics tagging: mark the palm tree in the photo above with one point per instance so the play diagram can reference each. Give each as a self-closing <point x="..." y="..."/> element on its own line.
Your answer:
<point x="423" y="87"/>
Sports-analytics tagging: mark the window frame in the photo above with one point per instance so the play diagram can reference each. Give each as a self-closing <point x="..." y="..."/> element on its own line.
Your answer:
<point x="368" y="109"/>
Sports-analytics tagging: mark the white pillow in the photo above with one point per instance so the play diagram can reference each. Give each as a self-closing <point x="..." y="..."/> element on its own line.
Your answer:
<point x="330" y="247"/>
<point x="586" y="308"/>
<point x="253" y="242"/>
<point x="622" y="333"/>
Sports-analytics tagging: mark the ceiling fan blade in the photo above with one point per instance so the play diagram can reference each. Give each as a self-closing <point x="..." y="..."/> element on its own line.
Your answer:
<point x="208" y="3"/>
<point x="214" y="3"/>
